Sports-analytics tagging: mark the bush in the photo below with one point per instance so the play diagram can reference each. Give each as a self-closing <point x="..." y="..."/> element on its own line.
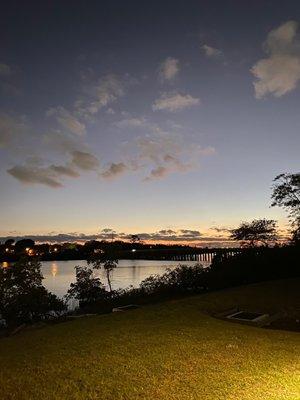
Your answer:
<point x="249" y="266"/>
<point x="87" y="289"/>
<point x="23" y="299"/>
<point x="254" y="265"/>
<point x="181" y="279"/>
<point x="93" y="297"/>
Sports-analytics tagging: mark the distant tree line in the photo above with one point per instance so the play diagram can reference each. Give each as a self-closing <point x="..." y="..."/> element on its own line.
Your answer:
<point x="12" y="251"/>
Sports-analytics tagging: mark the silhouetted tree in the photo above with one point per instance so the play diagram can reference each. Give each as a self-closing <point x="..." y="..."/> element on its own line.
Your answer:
<point x="22" y="244"/>
<point x="286" y="194"/>
<point x="23" y="298"/>
<point x="9" y="242"/>
<point x="257" y="232"/>
<point x="106" y="260"/>
<point x="135" y="239"/>
<point x="87" y="289"/>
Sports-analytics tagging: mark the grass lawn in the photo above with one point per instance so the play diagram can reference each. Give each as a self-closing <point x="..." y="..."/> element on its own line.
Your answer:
<point x="165" y="351"/>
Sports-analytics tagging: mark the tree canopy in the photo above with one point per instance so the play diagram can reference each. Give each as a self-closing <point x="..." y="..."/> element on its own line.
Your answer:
<point x="286" y="194"/>
<point x="23" y="298"/>
<point x="87" y="288"/>
<point x="257" y="232"/>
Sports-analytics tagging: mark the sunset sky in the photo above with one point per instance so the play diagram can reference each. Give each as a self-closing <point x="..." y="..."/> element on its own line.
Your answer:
<point x="167" y="118"/>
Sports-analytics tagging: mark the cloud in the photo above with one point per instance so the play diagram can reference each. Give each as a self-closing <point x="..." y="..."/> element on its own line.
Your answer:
<point x="138" y="123"/>
<point x="170" y="165"/>
<point x="156" y="154"/>
<point x="5" y="70"/>
<point x="154" y="237"/>
<point x="109" y="88"/>
<point x="211" y="52"/>
<point x="132" y="123"/>
<point x="33" y="170"/>
<point x="67" y="121"/>
<point x="164" y="153"/>
<point x="169" y="235"/>
<point x="29" y="174"/>
<point x="11" y="129"/>
<point x="220" y="229"/>
<point x="64" y="170"/>
<point x="279" y="72"/>
<point x="114" y="170"/>
<point x="62" y="142"/>
<point x="166" y="235"/>
<point x="84" y="160"/>
<point x="174" y="102"/>
<point x="168" y="69"/>
<point x="190" y="233"/>
<point x="100" y="93"/>
<point x="180" y="236"/>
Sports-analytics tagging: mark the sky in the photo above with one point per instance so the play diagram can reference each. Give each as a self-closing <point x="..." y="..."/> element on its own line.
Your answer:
<point x="166" y="119"/>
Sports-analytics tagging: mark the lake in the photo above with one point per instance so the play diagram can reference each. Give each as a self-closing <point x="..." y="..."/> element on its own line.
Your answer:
<point x="59" y="274"/>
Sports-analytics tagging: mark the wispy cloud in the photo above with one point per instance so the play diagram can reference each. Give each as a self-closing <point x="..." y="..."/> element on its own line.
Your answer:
<point x="67" y="120"/>
<point x="163" y="153"/>
<point x="279" y="72"/>
<point x="99" y="93"/>
<point x="188" y="236"/>
<point x="221" y="229"/>
<point x="165" y="235"/>
<point x="211" y="52"/>
<point x="114" y="170"/>
<point x="158" y="152"/>
<point x="132" y="122"/>
<point x="174" y="102"/>
<point x="168" y="69"/>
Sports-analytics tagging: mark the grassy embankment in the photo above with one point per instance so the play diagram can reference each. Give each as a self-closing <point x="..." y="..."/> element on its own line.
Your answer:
<point x="165" y="351"/>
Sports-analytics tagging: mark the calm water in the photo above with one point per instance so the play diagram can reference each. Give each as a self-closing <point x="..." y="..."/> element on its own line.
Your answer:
<point x="59" y="274"/>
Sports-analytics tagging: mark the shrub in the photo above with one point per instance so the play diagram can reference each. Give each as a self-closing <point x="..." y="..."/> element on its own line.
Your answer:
<point x="23" y="299"/>
<point x="87" y="289"/>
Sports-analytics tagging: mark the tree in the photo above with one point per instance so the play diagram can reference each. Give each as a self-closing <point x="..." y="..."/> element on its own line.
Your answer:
<point x="108" y="261"/>
<point x="286" y="194"/>
<point x="22" y="244"/>
<point x="259" y="231"/>
<point x="87" y="289"/>
<point x="9" y="242"/>
<point x="23" y="298"/>
<point x="135" y="239"/>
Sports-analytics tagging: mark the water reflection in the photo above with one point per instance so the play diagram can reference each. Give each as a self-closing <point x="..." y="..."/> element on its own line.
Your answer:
<point x="59" y="274"/>
<point x="54" y="269"/>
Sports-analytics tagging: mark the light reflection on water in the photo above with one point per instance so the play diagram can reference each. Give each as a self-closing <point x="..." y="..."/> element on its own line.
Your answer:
<point x="59" y="274"/>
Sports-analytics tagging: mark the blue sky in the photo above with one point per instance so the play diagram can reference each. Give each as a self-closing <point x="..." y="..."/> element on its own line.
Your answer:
<point x="146" y="117"/>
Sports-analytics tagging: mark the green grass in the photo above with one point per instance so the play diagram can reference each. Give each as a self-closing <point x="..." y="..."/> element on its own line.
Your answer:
<point x="173" y="350"/>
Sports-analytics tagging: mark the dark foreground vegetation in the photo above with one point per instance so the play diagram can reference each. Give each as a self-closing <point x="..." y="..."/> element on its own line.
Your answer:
<point x="23" y="299"/>
<point x="253" y="265"/>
